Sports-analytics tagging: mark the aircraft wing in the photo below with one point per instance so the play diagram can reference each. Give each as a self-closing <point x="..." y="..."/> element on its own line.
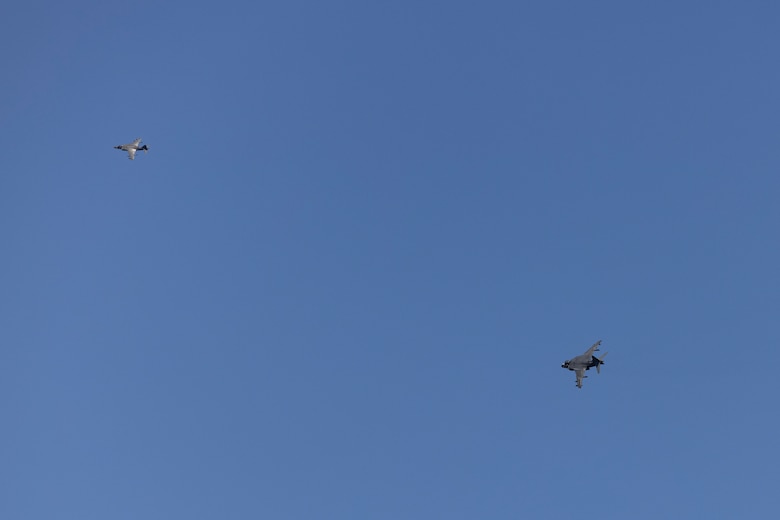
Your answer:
<point x="580" y="374"/>
<point x="593" y="349"/>
<point x="131" y="153"/>
<point x="134" y="144"/>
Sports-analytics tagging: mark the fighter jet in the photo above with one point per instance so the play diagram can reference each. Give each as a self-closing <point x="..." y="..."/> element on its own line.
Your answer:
<point x="584" y="362"/>
<point x="131" y="148"/>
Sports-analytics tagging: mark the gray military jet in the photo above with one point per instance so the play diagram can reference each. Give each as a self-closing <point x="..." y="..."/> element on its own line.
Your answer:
<point x="585" y="362"/>
<point x="131" y="148"/>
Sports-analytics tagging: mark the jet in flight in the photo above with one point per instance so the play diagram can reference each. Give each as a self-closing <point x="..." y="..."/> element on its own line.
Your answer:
<point x="583" y="362"/>
<point x="131" y="148"/>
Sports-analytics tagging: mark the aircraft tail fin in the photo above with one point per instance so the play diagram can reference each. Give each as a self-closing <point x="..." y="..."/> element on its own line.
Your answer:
<point x="599" y="362"/>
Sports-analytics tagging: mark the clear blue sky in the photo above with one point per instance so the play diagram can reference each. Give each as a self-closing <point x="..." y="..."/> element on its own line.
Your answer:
<point x="342" y="282"/>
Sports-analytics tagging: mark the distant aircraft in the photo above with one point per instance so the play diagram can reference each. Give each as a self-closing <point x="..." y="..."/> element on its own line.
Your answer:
<point x="584" y="362"/>
<point x="131" y="148"/>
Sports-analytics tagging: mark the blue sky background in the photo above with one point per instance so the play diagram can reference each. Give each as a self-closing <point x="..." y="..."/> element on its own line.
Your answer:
<point x="366" y="235"/>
